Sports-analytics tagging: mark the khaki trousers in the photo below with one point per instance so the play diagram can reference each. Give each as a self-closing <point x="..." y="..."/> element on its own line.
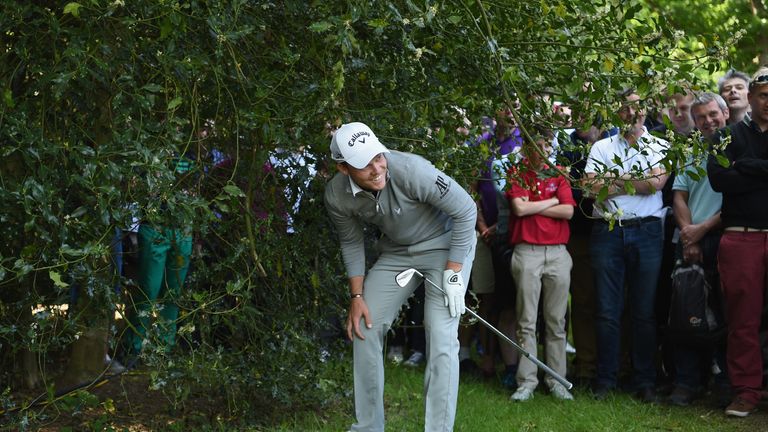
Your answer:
<point x="541" y="273"/>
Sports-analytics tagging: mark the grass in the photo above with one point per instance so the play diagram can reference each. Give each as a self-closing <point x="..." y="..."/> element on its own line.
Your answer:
<point x="485" y="407"/>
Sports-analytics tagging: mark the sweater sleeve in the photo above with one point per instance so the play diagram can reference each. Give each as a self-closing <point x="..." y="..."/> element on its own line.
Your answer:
<point x="752" y="167"/>
<point x="731" y="179"/>
<point x="350" y="233"/>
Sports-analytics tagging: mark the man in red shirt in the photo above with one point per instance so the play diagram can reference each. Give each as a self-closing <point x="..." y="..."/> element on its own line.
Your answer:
<point x="542" y="203"/>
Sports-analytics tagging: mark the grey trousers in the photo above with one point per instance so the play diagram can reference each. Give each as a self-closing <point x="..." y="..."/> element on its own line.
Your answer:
<point x="384" y="299"/>
<point x="541" y="273"/>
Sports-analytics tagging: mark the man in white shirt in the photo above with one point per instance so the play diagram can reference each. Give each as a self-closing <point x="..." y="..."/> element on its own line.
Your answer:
<point x="629" y="253"/>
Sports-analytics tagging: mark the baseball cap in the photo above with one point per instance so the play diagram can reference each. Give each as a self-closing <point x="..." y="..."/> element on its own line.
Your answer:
<point x="356" y="144"/>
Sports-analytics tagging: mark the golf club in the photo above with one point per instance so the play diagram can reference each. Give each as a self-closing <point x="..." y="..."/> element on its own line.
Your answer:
<point x="405" y="276"/>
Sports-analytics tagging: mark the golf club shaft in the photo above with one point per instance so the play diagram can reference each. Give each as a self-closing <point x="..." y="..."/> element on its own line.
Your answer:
<point x="525" y="353"/>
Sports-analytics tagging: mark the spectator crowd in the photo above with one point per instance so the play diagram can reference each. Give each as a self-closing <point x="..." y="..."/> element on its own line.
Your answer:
<point x="662" y="280"/>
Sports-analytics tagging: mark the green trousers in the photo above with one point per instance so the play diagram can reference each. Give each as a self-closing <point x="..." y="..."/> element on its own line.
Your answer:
<point x="163" y="263"/>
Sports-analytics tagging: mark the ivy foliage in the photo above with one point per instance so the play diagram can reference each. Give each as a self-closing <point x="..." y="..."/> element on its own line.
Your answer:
<point x="101" y="98"/>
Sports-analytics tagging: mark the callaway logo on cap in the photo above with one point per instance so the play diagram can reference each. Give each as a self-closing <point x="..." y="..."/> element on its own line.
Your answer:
<point x="355" y="144"/>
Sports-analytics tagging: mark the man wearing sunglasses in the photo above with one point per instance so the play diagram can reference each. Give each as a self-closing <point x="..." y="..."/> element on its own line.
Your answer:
<point x="743" y="181"/>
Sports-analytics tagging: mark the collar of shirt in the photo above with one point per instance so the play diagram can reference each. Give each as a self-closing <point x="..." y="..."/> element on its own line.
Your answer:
<point x="752" y="125"/>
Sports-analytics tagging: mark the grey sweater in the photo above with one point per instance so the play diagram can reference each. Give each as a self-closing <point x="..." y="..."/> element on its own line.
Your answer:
<point x="418" y="203"/>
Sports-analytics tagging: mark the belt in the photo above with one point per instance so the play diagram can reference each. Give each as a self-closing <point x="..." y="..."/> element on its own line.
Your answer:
<point x="638" y="221"/>
<point x="745" y="229"/>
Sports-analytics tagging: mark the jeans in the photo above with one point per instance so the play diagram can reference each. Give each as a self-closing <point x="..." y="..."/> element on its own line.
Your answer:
<point x="626" y="256"/>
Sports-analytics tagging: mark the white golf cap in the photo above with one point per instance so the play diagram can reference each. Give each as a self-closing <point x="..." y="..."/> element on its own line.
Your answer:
<point x="355" y="144"/>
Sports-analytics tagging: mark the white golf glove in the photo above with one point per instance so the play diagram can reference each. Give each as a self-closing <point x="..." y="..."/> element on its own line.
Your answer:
<point x="453" y="285"/>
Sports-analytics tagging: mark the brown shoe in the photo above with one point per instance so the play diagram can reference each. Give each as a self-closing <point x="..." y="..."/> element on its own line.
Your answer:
<point x="740" y="408"/>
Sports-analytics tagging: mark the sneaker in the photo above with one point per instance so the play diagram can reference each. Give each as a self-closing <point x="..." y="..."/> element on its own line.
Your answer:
<point x="681" y="396"/>
<point x="415" y="360"/>
<point x="113" y="366"/>
<point x="601" y="392"/>
<point x="395" y="354"/>
<point x="569" y="349"/>
<point x="740" y="408"/>
<point x="469" y="367"/>
<point x="583" y="382"/>
<point x="522" y="394"/>
<point x="560" y="392"/>
<point x="648" y="395"/>
<point x="509" y="378"/>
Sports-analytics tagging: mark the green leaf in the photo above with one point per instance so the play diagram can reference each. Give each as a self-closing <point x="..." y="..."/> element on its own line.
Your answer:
<point x="607" y="65"/>
<point x="73" y="8"/>
<point x="454" y="19"/>
<point x="166" y="28"/>
<point x="320" y="26"/>
<point x="629" y="187"/>
<point x="233" y="190"/>
<point x="8" y="98"/>
<point x="79" y="212"/>
<point x="722" y="160"/>
<point x="603" y="194"/>
<point x="378" y="23"/>
<point x="338" y="82"/>
<point x="224" y="207"/>
<point x="174" y="103"/>
<point x="154" y="88"/>
<point x="56" y="278"/>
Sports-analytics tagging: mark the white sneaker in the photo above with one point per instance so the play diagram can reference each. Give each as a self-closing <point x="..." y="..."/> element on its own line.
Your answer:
<point x="395" y="354"/>
<point x="114" y="366"/>
<point x="522" y="394"/>
<point x="569" y="349"/>
<point x="415" y="360"/>
<point x="560" y="392"/>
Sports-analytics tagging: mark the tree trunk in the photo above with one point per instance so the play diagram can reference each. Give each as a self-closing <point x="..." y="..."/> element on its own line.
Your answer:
<point x="30" y="378"/>
<point x="87" y="353"/>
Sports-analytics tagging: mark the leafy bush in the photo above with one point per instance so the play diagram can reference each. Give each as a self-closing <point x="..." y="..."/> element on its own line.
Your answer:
<point x="100" y="98"/>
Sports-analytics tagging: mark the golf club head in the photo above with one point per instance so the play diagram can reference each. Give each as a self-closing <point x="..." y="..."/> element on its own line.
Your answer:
<point x="404" y="277"/>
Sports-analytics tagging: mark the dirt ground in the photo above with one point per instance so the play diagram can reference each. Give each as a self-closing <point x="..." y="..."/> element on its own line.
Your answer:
<point x="124" y="403"/>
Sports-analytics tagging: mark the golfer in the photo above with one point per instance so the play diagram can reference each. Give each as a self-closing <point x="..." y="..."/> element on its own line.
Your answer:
<point x="427" y="222"/>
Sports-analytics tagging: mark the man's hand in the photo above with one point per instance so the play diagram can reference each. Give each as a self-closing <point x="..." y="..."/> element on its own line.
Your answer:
<point x="488" y="234"/>
<point x="453" y="285"/>
<point x="693" y="254"/>
<point x="358" y="309"/>
<point x="691" y="234"/>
